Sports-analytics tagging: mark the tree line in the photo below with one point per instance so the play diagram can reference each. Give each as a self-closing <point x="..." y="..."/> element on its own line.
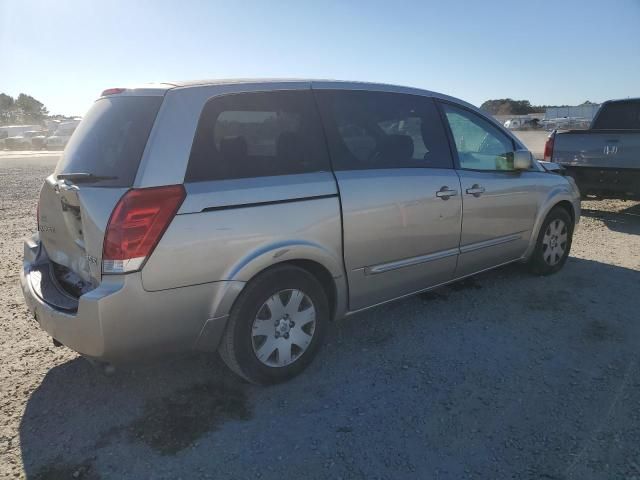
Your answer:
<point x="508" y="106"/>
<point x="21" y="110"/>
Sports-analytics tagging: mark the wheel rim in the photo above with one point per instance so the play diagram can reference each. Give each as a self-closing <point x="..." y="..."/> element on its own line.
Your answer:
<point x="283" y="328"/>
<point x="554" y="242"/>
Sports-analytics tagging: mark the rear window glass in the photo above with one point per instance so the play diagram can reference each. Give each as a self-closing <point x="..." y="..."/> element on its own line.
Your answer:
<point x="374" y="130"/>
<point x="110" y="140"/>
<point x="618" y="116"/>
<point x="256" y="135"/>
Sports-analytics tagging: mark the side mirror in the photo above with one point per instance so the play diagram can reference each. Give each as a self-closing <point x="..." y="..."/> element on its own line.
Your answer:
<point x="522" y="160"/>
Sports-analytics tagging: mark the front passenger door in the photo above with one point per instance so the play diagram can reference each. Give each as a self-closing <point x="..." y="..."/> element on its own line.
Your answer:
<point x="499" y="203"/>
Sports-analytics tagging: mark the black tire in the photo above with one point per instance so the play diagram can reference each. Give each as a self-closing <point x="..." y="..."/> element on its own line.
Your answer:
<point x="537" y="263"/>
<point x="237" y="345"/>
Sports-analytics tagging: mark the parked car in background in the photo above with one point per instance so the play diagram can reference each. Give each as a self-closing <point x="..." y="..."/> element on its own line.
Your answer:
<point x="23" y="141"/>
<point x="522" y="123"/>
<point x="38" y="141"/>
<point x="513" y="123"/>
<point x="245" y="216"/>
<point x="605" y="159"/>
<point x="61" y="136"/>
<point x="20" y="135"/>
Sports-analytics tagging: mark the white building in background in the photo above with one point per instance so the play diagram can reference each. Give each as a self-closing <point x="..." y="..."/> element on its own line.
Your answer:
<point x="570" y="118"/>
<point x="579" y="111"/>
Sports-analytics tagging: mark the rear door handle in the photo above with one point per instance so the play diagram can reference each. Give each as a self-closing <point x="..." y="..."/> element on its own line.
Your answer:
<point x="445" y="193"/>
<point x="476" y="190"/>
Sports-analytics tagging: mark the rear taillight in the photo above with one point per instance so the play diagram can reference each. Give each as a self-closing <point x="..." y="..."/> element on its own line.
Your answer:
<point x="136" y="226"/>
<point x="112" y="91"/>
<point x="548" y="146"/>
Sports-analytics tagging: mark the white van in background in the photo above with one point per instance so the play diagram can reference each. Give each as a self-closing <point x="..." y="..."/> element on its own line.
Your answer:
<point x="514" y="123"/>
<point x="522" y="123"/>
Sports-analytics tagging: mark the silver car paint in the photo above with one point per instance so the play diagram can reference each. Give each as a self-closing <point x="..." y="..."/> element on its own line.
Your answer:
<point x="399" y="236"/>
<point x="246" y="239"/>
<point x="120" y="320"/>
<point x="397" y="232"/>
<point x="497" y="222"/>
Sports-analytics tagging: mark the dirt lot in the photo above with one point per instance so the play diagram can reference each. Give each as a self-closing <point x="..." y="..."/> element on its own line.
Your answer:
<point x="503" y="376"/>
<point x="534" y="140"/>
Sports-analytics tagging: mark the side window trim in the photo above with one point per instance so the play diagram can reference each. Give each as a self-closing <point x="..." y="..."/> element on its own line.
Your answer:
<point x="323" y="126"/>
<point x="452" y="144"/>
<point x="436" y="106"/>
<point x="448" y="133"/>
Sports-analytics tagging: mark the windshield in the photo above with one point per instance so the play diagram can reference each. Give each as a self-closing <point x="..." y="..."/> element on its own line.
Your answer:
<point x="111" y="138"/>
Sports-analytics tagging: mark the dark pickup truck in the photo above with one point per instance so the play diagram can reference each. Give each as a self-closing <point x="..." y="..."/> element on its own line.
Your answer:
<point x="605" y="159"/>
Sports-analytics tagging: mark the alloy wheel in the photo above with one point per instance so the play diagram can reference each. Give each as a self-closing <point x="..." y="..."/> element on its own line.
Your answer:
<point x="554" y="242"/>
<point x="283" y="328"/>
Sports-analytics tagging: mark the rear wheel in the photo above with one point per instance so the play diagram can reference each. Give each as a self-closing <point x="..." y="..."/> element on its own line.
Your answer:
<point x="553" y="243"/>
<point x="276" y="326"/>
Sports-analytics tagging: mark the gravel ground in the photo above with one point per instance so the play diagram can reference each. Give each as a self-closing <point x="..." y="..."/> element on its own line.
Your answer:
<point x="505" y="375"/>
<point x="534" y="140"/>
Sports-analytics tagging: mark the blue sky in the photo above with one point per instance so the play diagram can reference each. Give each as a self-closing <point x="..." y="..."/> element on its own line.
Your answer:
<point x="65" y="52"/>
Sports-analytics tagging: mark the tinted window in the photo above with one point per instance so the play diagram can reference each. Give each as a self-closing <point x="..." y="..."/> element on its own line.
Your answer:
<point x="369" y="130"/>
<point x="619" y="116"/>
<point x="256" y="135"/>
<point x="111" y="138"/>
<point x="480" y="145"/>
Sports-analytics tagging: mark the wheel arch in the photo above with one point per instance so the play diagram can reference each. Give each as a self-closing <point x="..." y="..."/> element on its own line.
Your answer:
<point x="558" y="198"/>
<point x="325" y="278"/>
<point x="568" y="206"/>
<point x="322" y="264"/>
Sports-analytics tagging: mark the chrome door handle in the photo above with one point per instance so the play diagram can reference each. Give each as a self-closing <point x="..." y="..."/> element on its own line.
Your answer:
<point x="445" y="193"/>
<point x="476" y="190"/>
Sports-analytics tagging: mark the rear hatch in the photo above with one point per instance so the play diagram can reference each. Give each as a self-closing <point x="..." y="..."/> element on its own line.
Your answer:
<point x="96" y="168"/>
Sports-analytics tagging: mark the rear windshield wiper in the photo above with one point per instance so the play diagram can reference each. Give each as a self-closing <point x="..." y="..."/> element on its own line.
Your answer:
<point x="79" y="177"/>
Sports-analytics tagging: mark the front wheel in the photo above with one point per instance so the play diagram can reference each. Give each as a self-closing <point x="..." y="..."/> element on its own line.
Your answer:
<point x="553" y="243"/>
<point x="276" y="326"/>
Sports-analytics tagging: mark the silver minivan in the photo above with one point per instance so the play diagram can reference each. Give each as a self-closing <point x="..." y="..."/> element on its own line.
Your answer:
<point x="245" y="216"/>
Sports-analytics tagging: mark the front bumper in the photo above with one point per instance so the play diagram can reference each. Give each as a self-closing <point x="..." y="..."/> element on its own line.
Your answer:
<point x="120" y="321"/>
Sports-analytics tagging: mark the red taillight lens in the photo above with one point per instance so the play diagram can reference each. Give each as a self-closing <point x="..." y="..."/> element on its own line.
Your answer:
<point x="548" y="147"/>
<point x="112" y="91"/>
<point x="136" y="226"/>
